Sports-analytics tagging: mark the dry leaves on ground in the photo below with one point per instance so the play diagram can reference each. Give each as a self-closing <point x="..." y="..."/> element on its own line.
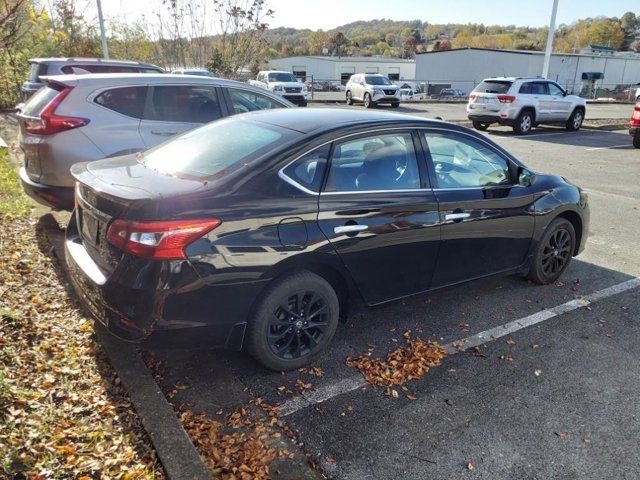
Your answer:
<point x="400" y="365"/>
<point x="63" y="414"/>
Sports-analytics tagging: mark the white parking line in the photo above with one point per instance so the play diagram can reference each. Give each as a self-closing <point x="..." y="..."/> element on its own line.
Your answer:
<point x="626" y="145"/>
<point x="350" y="384"/>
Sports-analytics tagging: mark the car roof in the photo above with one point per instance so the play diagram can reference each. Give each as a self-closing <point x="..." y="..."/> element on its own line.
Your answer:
<point x="73" y="60"/>
<point x="307" y="120"/>
<point x="109" y="79"/>
<point x="513" y="79"/>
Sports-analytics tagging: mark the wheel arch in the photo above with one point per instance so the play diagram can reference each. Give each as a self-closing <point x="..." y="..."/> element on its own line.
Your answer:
<point x="576" y="222"/>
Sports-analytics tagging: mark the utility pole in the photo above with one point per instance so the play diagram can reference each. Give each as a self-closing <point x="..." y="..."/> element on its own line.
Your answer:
<point x="105" y="49"/>
<point x="552" y="31"/>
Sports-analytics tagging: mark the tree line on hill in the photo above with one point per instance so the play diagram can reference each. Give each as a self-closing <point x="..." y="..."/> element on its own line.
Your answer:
<point x="230" y="37"/>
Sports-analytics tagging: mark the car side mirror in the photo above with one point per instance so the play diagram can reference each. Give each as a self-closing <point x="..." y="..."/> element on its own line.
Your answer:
<point x="526" y="178"/>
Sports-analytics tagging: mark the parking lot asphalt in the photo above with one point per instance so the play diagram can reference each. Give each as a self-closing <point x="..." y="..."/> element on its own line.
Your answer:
<point x="556" y="399"/>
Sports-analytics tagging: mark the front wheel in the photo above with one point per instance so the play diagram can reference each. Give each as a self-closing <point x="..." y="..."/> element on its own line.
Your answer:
<point x="293" y="321"/>
<point x="575" y="120"/>
<point x="480" y="125"/>
<point x="349" y="98"/>
<point x="368" y="103"/>
<point x="553" y="252"/>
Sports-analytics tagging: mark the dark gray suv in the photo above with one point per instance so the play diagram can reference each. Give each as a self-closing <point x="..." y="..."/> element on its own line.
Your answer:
<point x="60" y="66"/>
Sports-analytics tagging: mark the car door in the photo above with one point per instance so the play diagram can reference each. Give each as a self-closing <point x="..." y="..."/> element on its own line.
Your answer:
<point x="544" y="107"/>
<point x="358" y="87"/>
<point x="173" y="109"/>
<point x="487" y="216"/>
<point x="560" y="104"/>
<point x="378" y="214"/>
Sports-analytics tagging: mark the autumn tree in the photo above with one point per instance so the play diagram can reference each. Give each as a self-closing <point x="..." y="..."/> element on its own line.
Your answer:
<point x="629" y="21"/>
<point x="317" y="41"/>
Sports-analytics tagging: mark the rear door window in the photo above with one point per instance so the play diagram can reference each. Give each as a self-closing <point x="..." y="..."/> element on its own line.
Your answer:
<point x="308" y="170"/>
<point x="128" y="101"/>
<point x="184" y="104"/>
<point x="493" y="86"/>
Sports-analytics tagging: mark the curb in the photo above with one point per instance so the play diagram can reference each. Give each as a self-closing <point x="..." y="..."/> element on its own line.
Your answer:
<point x="173" y="446"/>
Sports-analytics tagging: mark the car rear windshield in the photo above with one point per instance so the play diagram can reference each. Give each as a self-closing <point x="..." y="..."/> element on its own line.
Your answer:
<point x="493" y="86"/>
<point x="376" y="80"/>
<point x="282" y="77"/>
<point x="38" y="101"/>
<point x="216" y="149"/>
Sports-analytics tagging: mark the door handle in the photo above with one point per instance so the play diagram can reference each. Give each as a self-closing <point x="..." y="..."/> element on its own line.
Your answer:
<point x="164" y="134"/>
<point x="349" y="229"/>
<point x="456" y="216"/>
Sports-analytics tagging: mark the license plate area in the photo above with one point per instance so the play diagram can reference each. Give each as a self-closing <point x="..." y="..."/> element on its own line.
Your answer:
<point x="90" y="228"/>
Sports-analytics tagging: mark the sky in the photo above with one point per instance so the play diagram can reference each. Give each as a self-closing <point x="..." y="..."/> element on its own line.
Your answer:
<point x="327" y="14"/>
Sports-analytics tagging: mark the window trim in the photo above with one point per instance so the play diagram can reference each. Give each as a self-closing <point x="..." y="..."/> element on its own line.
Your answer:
<point x="511" y="162"/>
<point x="226" y="93"/>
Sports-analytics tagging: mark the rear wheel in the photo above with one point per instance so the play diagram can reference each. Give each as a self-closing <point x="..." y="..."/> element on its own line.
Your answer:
<point x="368" y="103"/>
<point x="553" y="252"/>
<point x="636" y="140"/>
<point x="349" y="99"/>
<point x="575" y="120"/>
<point x="293" y="321"/>
<point x="524" y="123"/>
<point x="480" y="125"/>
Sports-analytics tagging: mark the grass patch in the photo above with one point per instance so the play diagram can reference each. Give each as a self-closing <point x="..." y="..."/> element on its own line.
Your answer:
<point x="13" y="201"/>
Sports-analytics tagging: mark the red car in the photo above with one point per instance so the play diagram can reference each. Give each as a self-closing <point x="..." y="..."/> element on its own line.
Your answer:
<point x="634" y="125"/>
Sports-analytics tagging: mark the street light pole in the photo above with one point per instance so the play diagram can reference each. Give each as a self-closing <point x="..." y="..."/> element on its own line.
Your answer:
<point x="552" y="31"/>
<point x="105" y="49"/>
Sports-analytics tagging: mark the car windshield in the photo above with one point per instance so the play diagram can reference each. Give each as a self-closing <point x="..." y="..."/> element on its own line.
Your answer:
<point x="376" y="80"/>
<point x="282" y="77"/>
<point x="216" y="149"/>
<point x="493" y="86"/>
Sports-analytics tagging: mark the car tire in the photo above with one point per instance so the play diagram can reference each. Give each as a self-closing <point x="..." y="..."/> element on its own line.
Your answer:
<point x="524" y="123"/>
<point x="482" y="126"/>
<point x="636" y="140"/>
<point x="368" y="103"/>
<point x="297" y="314"/>
<point x="395" y="104"/>
<point x="575" y="120"/>
<point x="349" y="99"/>
<point x="553" y="252"/>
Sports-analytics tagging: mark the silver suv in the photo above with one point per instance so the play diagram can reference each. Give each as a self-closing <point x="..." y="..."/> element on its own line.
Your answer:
<point x="523" y="103"/>
<point x="78" y="118"/>
<point x="372" y="89"/>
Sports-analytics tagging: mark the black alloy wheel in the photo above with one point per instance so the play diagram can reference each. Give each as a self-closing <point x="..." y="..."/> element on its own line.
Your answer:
<point x="298" y="324"/>
<point x="293" y="320"/>
<point x="554" y="252"/>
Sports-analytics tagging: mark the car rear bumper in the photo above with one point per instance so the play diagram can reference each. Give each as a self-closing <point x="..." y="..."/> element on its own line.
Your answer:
<point x="484" y="118"/>
<point x="59" y="198"/>
<point x="159" y="303"/>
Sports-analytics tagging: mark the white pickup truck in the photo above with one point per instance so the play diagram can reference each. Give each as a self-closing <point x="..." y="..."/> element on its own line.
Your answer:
<point x="283" y="84"/>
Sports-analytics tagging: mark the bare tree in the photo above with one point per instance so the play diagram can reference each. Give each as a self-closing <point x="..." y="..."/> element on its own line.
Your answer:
<point x="14" y="21"/>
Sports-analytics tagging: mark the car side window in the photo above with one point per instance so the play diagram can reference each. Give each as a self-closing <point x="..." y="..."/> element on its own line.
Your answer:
<point x="525" y="88"/>
<point x="128" y="101"/>
<point x="184" y="104"/>
<point x="380" y="162"/>
<point x="248" y="101"/>
<point x="462" y="162"/>
<point x="308" y="170"/>
<point x="539" y="88"/>
<point x="555" y="90"/>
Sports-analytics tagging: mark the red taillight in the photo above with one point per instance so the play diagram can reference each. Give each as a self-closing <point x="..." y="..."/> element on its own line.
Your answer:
<point x="506" y="98"/>
<point x="164" y="240"/>
<point x="472" y="96"/>
<point x="635" y="118"/>
<point x="51" y="123"/>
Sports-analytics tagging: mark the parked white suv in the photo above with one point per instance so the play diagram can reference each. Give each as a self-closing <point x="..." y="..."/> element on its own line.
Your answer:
<point x="372" y="89"/>
<point x="523" y="103"/>
<point x="284" y="84"/>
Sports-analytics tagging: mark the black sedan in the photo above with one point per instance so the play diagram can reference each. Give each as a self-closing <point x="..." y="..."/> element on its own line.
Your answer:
<point x="263" y="230"/>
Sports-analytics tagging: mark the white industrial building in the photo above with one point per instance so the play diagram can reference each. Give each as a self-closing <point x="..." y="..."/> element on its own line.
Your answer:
<point x="341" y="68"/>
<point x="585" y="74"/>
